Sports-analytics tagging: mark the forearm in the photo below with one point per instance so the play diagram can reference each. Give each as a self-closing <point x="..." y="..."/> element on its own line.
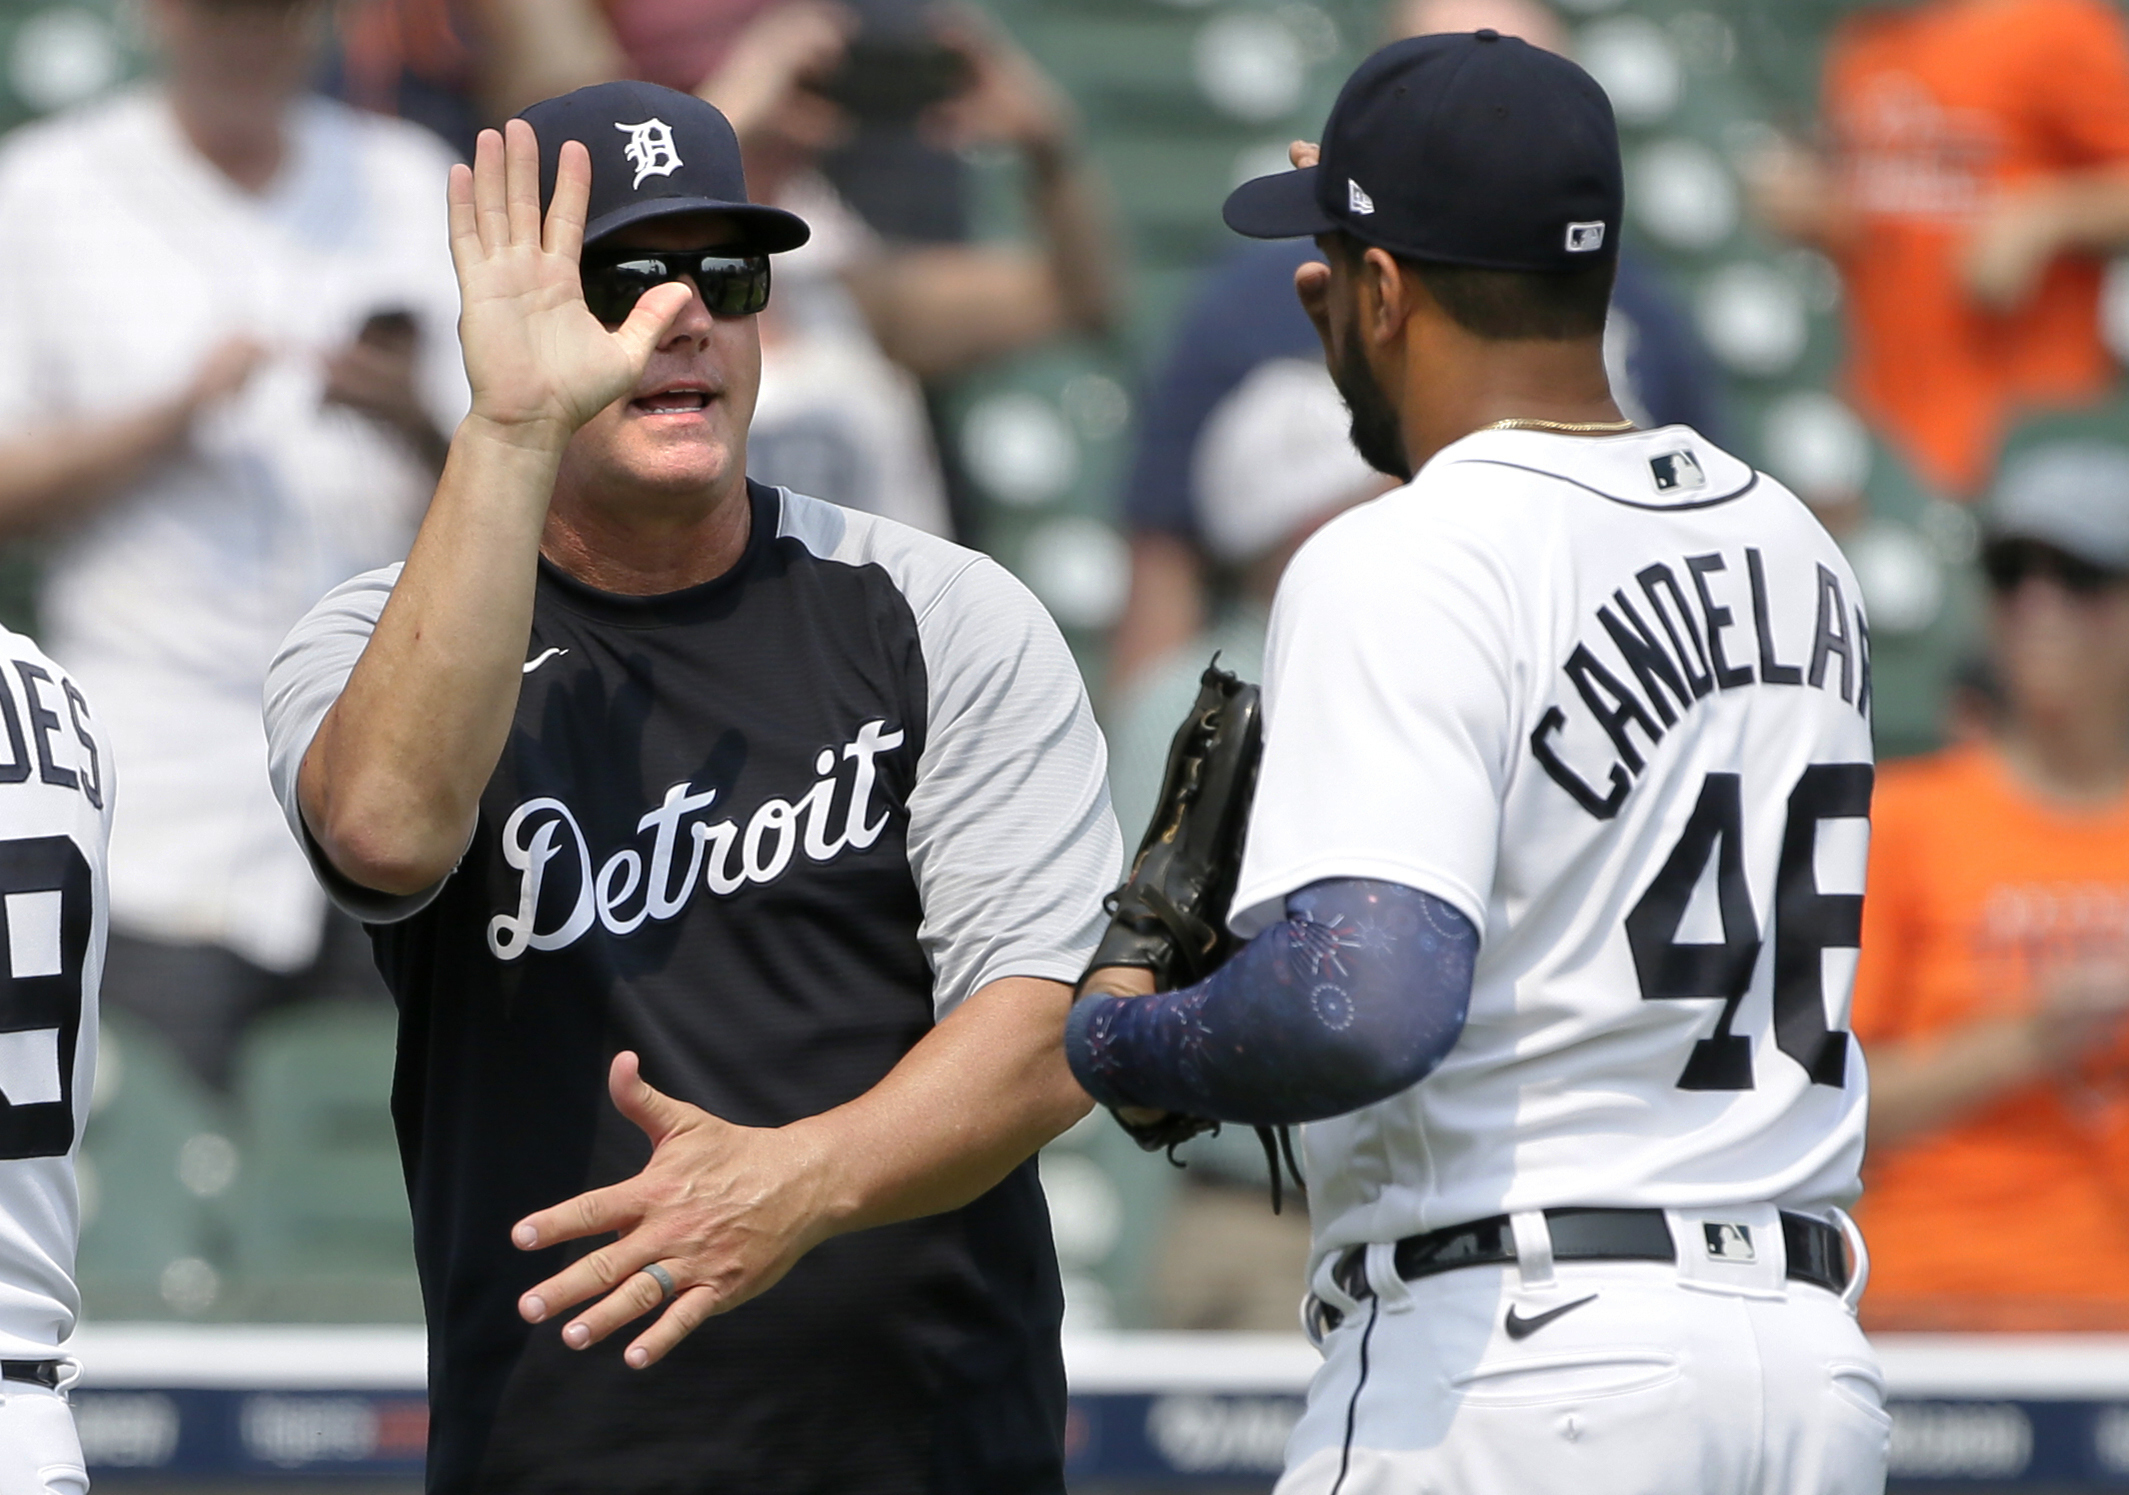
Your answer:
<point x="392" y="782"/>
<point x="538" y="49"/>
<point x="1072" y="206"/>
<point x="1164" y="609"/>
<point x="973" y="1100"/>
<point x="65" y="471"/>
<point x="1920" y="1085"/>
<point x="2087" y="211"/>
<point x="941" y="310"/>
<point x="1354" y="997"/>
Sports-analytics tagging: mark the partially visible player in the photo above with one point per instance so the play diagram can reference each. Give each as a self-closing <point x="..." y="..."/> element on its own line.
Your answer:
<point x="55" y="822"/>
<point x="1554" y="867"/>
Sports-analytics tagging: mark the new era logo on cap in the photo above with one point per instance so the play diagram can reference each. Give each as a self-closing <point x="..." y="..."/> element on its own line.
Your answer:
<point x="1357" y="200"/>
<point x="1585" y="238"/>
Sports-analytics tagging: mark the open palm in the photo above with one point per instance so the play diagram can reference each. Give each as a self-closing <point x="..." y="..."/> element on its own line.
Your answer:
<point x="537" y="359"/>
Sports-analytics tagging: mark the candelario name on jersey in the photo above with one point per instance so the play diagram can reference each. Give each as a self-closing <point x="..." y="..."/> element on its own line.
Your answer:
<point x="1677" y="634"/>
<point x="632" y="884"/>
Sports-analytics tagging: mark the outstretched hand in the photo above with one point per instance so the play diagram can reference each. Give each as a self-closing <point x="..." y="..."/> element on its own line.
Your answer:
<point x="540" y="363"/>
<point x="726" y="1210"/>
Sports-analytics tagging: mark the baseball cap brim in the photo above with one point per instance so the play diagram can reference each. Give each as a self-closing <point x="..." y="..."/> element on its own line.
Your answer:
<point x="1282" y="206"/>
<point x="762" y="230"/>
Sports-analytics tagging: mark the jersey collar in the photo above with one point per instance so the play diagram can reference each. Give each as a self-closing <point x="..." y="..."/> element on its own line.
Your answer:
<point x="1669" y="468"/>
<point x="688" y="605"/>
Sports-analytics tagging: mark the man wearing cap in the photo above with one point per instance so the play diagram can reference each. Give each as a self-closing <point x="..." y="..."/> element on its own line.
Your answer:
<point x="1994" y="984"/>
<point x="782" y="825"/>
<point x="1553" y="874"/>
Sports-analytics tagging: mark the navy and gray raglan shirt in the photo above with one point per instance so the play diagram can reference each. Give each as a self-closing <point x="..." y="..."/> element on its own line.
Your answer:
<point x="766" y="832"/>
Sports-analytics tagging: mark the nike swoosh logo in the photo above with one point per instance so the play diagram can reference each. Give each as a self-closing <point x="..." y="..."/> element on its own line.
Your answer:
<point x="1519" y="1327"/>
<point x="533" y="664"/>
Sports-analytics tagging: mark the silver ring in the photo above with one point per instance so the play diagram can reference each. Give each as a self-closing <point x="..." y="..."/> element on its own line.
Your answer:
<point x="664" y="1279"/>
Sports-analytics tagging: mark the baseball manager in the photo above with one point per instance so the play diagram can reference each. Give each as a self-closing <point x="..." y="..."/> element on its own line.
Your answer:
<point x="1555" y="866"/>
<point x="730" y="855"/>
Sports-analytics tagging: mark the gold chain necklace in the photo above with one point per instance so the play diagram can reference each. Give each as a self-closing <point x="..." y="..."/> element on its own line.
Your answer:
<point x="1571" y="427"/>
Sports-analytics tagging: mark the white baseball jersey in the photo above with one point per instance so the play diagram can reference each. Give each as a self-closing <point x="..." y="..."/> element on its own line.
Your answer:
<point x="1609" y="697"/>
<point x="55" y="822"/>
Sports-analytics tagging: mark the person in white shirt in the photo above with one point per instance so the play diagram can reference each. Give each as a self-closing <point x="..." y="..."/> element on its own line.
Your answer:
<point x="1553" y="878"/>
<point x="226" y="368"/>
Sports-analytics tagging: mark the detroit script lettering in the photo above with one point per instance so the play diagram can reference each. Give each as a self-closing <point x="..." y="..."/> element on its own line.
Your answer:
<point x="631" y="886"/>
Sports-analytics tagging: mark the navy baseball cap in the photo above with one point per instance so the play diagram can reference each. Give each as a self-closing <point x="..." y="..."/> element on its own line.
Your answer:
<point x="656" y="152"/>
<point x="1469" y="148"/>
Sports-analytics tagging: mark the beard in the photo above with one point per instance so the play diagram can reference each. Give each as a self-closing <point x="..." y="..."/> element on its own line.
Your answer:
<point x="1376" y="433"/>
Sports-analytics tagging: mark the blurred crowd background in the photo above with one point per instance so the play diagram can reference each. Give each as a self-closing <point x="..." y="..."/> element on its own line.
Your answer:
<point x="1871" y="247"/>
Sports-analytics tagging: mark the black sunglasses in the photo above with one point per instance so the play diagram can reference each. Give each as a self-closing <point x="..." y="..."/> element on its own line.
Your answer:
<point x="2010" y="564"/>
<point x="731" y="285"/>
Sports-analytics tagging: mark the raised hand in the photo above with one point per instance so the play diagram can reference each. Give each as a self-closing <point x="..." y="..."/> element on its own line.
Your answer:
<point x="539" y="362"/>
<point x="725" y="1210"/>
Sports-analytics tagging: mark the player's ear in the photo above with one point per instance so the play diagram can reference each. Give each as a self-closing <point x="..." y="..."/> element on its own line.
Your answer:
<point x="1384" y="291"/>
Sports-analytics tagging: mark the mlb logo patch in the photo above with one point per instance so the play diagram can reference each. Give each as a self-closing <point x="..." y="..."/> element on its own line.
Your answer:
<point x="1676" y="472"/>
<point x="1585" y="238"/>
<point x="1728" y="1242"/>
<point x="1356" y="199"/>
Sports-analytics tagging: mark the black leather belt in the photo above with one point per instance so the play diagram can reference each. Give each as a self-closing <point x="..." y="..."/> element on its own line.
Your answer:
<point x="1814" y="1248"/>
<point x="43" y="1373"/>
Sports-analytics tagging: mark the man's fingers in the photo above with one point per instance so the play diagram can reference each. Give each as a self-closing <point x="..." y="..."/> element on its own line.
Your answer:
<point x="684" y="1317"/>
<point x="605" y="1270"/>
<point x="465" y="227"/>
<point x="572" y="196"/>
<point x="521" y="181"/>
<point x="631" y="1298"/>
<point x="646" y="327"/>
<point x="593" y="1213"/>
<point x="634" y="1097"/>
<point x="1303" y="153"/>
<point x="488" y="188"/>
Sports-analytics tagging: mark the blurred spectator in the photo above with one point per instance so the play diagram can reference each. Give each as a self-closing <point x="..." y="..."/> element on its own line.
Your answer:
<point x="1245" y="312"/>
<point x="1993" y="991"/>
<point x="857" y="320"/>
<point x="225" y="372"/>
<point x="456" y="65"/>
<point x="1272" y="464"/>
<point x="1976" y="169"/>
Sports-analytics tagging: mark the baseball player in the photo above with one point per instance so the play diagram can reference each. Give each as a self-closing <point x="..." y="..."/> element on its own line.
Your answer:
<point x="55" y="823"/>
<point x="1553" y="876"/>
<point x="645" y="775"/>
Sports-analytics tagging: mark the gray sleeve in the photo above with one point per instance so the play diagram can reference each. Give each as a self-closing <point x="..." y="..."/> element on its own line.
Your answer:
<point x="306" y="677"/>
<point x="1010" y="832"/>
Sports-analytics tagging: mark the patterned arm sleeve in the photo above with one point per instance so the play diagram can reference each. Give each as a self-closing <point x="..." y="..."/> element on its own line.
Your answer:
<point x="1356" y="995"/>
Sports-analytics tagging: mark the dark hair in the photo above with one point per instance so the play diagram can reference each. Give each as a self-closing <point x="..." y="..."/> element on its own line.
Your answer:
<point x="1512" y="305"/>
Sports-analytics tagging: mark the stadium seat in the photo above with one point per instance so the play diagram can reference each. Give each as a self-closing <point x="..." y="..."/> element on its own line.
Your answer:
<point x="151" y="1246"/>
<point x="320" y="1213"/>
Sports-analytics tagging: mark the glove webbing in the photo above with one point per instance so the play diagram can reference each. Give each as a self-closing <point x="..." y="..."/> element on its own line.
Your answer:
<point x="1276" y="1151"/>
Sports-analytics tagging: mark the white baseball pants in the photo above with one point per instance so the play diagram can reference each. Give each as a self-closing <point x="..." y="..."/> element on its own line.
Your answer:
<point x="1706" y="1377"/>
<point x="40" y="1453"/>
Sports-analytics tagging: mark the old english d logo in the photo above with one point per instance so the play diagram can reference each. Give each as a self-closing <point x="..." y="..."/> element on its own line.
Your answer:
<point x="650" y="149"/>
